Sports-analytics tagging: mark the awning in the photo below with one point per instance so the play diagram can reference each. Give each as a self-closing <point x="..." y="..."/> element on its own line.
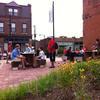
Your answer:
<point x="16" y="39"/>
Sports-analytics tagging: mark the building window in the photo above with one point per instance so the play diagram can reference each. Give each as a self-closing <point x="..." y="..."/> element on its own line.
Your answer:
<point x="1" y="27"/>
<point x="10" y="10"/>
<point x="24" y="28"/>
<point x="13" y="27"/>
<point x="13" y="11"/>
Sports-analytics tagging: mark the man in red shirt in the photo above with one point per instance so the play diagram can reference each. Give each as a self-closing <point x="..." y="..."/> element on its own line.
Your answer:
<point x="52" y="51"/>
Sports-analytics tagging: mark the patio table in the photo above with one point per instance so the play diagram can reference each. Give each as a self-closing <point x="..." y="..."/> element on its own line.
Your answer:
<point x="29" y="59"/>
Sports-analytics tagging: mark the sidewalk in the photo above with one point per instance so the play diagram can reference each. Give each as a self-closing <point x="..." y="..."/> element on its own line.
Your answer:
<point x="1" y="63"/>
<point x="9" y="78"/>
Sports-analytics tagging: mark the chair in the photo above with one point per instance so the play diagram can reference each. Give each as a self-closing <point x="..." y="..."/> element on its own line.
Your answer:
<point x="15" y="63"/>
<point x="40" y="62"/>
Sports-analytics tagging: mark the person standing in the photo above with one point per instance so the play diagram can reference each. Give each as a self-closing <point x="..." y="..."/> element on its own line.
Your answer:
<point x="9" y="49"/>
<point x="52" y="51"/>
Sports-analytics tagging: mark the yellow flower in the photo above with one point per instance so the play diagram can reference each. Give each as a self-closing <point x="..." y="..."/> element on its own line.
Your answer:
<point x="82" y="70"/>
<point x="83" y="76"/>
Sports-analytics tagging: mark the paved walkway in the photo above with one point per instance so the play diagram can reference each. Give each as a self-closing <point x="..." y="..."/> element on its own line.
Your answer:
<point x="9" y="77"/>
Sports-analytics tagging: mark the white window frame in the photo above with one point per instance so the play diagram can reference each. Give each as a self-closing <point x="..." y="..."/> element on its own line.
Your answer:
<point x="13" y="27"/>
<point x="24" y="27"/>
<point x="15" y="12"/>
<point x="1" y="27"/>
<point x="10" y="10"/>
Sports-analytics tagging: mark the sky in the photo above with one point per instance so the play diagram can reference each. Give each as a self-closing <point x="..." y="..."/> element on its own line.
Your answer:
<point x="68" y="17"/>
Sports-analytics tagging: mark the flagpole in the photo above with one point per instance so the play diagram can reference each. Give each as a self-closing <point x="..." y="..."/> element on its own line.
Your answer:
<point x="53" y="19"/>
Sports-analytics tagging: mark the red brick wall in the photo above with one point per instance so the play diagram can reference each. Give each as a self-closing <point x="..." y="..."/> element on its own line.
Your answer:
<point x="91" y="22"/>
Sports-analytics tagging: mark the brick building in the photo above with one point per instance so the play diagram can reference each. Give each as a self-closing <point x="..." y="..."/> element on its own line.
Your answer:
<point x="15" y="24"/>
<point x="91" y="22"/>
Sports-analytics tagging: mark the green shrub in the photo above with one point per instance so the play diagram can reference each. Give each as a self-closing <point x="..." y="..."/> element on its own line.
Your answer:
<point x="8" y="94"/>
<point x="47" y="82"/>
<point x="60" y="50"/>
<point x="78" y="69"/>
<point x="64" y="78"/>
<point x="95" y="68"/>
<point x="69" y="75"/>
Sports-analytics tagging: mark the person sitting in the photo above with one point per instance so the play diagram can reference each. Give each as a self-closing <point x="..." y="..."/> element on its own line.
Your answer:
<point x="15" y="55"/>
<point x="69" y="54"/>
<point x="41" y="53"/>
<point x="27" y="49"/>
<point x="65" y="51"/>
<point x="64" y="58"/>
<point x="83" y="50"/>
<point x="32" y="50"/>
<point x="77" y="52"/>
<point x="41" y="58"/>
<point x="97" y="45"/>
<point x="94" y="51"/>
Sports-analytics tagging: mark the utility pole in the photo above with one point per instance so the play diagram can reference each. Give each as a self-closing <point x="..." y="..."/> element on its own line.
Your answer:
<point x="35" y="37"/>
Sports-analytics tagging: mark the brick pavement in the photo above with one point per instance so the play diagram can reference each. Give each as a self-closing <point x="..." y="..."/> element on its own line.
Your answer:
<point x="9" y="77"/>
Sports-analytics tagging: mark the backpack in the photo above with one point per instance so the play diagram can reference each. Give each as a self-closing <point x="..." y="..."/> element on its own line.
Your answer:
<point x="55" y="46"/>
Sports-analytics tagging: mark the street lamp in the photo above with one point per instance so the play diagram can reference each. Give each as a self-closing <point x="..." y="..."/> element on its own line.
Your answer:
<point x="9" y="24"/>
<point x="9" y="35"/>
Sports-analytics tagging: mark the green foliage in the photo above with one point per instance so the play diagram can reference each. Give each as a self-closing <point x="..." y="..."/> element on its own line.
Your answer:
<point x="95" y="68"/>
<point x="22" y="90"/>
<point x="8" y="94"/>
<point x="64" y="78"/>
<point x="69" y="75"/>
<point x="60" y="50"/>
<point x="46" y="83"/>
<point x="78" y="67"/>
